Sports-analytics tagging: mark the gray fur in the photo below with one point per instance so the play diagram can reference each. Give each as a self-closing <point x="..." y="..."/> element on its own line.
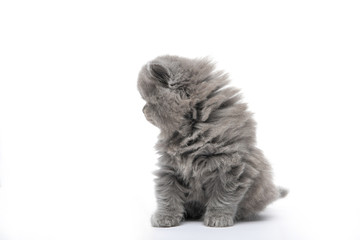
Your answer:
<point x="209" y="165"/>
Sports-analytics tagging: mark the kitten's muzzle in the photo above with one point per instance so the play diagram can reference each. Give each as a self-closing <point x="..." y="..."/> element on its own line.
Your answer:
<point x="147" y="114"/>
<point x="143" y="110"/>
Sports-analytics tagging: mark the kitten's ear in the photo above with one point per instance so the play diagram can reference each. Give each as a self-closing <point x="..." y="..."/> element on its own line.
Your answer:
<point x="159" y="72"/>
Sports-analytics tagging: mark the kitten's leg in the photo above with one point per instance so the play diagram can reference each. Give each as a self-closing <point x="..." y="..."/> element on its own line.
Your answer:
<point x="228" y="187"/>
<point x="170" y="196"/>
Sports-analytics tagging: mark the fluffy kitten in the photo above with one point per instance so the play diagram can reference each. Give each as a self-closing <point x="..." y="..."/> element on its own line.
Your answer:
<point x="210" y="167"/>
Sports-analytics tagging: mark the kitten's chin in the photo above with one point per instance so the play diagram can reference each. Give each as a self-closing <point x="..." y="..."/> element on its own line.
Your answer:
<point x="167" y="134"/>
<point x="174" y="133"/>
<point x="150" y="121"/>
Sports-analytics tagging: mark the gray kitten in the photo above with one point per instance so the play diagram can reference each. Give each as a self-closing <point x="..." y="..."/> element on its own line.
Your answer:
<point x="210" y="167"/>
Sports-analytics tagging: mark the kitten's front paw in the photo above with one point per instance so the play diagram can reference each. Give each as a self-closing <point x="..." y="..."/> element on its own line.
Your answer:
<point x="218" y="221"/>
<point x="165" y="220"/>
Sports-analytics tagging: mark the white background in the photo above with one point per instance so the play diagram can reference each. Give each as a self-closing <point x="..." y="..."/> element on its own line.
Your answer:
<point x="77" y="154"/>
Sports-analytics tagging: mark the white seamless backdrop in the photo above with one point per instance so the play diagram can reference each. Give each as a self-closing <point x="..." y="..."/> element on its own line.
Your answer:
<point x="76" y="153"/>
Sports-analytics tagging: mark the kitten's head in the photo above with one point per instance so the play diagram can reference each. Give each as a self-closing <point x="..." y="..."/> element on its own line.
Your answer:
<point x="168" y="85"/>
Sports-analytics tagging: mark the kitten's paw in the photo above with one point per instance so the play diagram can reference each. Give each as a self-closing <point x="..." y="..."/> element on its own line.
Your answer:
<point x="218" y="221"/>
<point x="165" y="220"/>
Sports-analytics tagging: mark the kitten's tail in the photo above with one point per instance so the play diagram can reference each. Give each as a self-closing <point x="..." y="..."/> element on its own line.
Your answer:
<point x="282" y="192"/>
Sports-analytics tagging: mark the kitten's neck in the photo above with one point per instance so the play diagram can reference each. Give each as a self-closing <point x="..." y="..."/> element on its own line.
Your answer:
<point x="170" y="142"/>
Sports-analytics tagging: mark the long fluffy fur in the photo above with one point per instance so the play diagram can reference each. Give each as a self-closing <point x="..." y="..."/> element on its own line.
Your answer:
<point x="209" y="165"/>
